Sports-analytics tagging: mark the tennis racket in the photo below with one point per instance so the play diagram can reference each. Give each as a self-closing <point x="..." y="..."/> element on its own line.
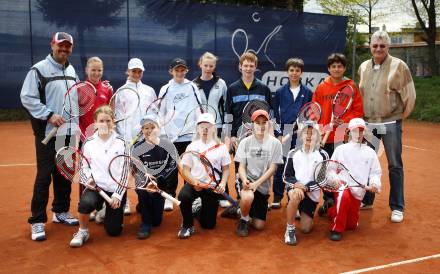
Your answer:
<point x="209" y="181"/>
<point x="138" y="177"/>
<point x="78" y="100"/>
<point x="289" y="173"/>
<point x="164" y="118"/>
<point x="246" y="119"/>
<point x="190" y="122"/>
<point x="310" y="111"/>
<point x="75" y="167"/>
<point x="333" y="176"/>
<point x="341" y="103"/>
<point x="124" y="103"/>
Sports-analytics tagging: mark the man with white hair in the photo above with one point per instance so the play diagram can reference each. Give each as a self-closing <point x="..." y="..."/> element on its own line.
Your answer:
<point x="389" y="95"/>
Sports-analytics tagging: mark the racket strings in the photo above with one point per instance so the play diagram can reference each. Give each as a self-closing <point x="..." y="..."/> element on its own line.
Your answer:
<point x="342" y="101"/>
<point x="310" y="112"/>
<point x="124" y="103"/>
<point x="80" y="99"/>
<point x="327" y="175"/>
<point x="250" y="108"/>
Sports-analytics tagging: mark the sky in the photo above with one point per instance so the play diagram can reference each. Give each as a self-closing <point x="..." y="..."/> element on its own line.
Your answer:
<point x="394" y="20"/>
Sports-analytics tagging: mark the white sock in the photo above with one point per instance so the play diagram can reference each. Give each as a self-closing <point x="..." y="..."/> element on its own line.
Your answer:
<point x="246" y="218"/>
<point x="86" y="230"/>
<point x="290" y="227"/>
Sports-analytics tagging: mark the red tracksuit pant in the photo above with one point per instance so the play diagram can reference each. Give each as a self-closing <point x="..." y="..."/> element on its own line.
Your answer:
<point x="344" y="214"/>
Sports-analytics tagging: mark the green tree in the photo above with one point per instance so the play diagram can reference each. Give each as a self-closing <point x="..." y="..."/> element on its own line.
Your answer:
<point x="348" y="8"/>
<point x="425" y="11"/>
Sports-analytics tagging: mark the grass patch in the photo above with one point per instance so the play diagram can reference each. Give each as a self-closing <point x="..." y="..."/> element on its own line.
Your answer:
<point x="14" y="114"/>
<point x="427" y="106"/>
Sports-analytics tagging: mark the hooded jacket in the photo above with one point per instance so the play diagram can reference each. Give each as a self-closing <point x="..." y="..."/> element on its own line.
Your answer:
<point x="324" y="95"/>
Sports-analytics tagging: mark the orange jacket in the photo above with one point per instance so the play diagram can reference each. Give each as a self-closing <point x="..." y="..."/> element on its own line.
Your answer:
<point x="324" y="94"/>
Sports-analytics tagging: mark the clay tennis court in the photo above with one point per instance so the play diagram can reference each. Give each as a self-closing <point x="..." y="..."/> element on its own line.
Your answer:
<point x="376" y="242"/>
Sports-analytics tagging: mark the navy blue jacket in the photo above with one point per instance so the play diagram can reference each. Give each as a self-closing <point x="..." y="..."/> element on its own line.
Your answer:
<point x="285" y="108"/>
<point x="237" y="96"/>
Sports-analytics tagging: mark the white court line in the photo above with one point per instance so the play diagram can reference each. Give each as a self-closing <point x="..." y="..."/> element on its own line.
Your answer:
<point x="392" y="264"/>
<point x="14" y="165"/>
<point x="417" y="148"/>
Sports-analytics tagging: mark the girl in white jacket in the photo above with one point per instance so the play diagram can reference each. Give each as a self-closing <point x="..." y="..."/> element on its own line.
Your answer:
<point x="100" y="149"/>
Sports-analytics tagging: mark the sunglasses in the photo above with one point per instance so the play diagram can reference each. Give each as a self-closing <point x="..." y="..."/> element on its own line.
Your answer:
<point x="382" y="46"/>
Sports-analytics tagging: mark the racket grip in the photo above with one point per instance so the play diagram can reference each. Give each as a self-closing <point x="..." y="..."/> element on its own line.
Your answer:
<point x="169" y="197"/>
<point x="49" y="136"/>
<point x="105" y="196"/>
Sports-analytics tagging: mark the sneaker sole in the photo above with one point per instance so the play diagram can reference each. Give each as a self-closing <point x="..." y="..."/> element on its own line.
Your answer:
<point x="65" y="223"/>
<point x="78" y="245"/>
<point x="39" y="238"/>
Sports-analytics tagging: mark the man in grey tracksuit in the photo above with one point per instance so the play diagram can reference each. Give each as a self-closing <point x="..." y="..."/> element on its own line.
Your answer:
<point x="42" y="95"/>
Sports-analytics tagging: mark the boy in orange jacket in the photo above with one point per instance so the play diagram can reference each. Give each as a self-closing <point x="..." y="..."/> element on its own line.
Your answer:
<point x="323" y="95"/>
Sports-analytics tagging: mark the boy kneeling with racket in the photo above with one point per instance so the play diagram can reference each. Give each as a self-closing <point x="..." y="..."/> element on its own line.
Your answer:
<point x="99" y="150"/>
<point x="159" y="156"/>
<point x="358" y="170"/>
<point x="205" y="168"/>
<point x="258" y="156"/>
<point x="302" y="190"/>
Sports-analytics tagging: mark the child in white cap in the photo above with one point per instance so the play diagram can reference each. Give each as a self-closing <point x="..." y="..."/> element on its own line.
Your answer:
<point x="364" y="166"/>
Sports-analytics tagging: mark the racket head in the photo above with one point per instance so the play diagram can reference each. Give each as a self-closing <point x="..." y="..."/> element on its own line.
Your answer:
<point x="79" y="99"/>
<point x="250" y="108"/>
<point x="310" y="111"/>
<point x="68" y="161"/>
<point x="342" y="101"/>
<point x="124" y="103"/>
<point x="205" y="170"/>
<point x="128" y="172"/>
<point x="331" y="175"/>
<point x="190" y="122"/>
<point x="154" y="108"/>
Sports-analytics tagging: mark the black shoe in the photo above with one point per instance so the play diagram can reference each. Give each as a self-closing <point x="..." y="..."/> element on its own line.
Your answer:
<point x="230" y="212"/>
<point x="242" y="228"/>
<point x="276" y="204"/>
<point x="335" y="236"/>
<point x="322" y="211"/>
<point x="144" y="231"/>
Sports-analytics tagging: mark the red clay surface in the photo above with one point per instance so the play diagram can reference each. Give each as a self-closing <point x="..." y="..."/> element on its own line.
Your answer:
<point x="377" y="241"/>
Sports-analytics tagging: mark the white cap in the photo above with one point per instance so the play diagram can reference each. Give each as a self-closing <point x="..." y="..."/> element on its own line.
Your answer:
<point x="307" y="124"/>
<point x="136" y="63"/>
<point x="355" y="123"/>
<point x="150" y="118"/>
<point x="206" y="118"/>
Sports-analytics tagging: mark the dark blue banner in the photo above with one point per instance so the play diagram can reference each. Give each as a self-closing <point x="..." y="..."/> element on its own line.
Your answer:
<point x="158" y="31"/>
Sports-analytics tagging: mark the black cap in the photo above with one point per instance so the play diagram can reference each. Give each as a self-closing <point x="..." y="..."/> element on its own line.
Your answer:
<point x="178" y="62"/>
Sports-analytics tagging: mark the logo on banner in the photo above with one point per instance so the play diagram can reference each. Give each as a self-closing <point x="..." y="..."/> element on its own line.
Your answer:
<point x="276" y="79"/>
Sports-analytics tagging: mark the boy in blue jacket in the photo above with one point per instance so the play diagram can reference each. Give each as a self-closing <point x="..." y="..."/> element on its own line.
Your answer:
<point x="286" y="105"/>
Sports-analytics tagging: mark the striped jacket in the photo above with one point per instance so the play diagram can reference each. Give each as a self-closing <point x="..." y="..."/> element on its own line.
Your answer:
<point x="387" y="90"/>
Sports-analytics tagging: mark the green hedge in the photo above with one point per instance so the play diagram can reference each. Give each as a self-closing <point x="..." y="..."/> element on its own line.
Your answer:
<point x="427" y="106"/>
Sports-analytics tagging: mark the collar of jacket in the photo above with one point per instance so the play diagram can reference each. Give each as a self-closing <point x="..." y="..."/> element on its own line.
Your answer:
<point x="198" y="80"/>
<point x="56" y="64"/>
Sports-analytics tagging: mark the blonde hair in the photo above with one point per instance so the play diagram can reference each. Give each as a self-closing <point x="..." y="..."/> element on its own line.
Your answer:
<point x="207" y="55"/>
<point x="249" y="56"/>
<point x="94" y="59"/>
<point x="106" y="109"/>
